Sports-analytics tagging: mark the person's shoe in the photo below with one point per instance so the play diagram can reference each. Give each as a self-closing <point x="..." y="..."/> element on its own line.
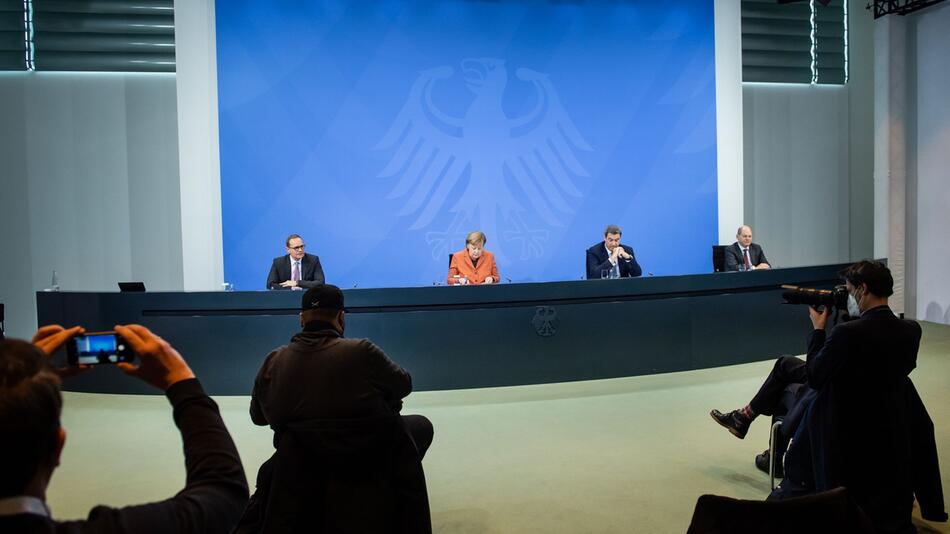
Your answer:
<point x="762" y="462"/>
<point x="734" y="421"/>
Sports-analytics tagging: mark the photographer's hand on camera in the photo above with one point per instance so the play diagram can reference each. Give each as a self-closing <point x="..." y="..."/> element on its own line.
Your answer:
<point x="819" y="319"/>
<point x="51" y="338"/>
<point x="159" y="363"/>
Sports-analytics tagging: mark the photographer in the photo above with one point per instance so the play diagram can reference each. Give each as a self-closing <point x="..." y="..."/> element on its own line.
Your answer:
<point x="865" y="427"/>
<point x="32" y="439"/>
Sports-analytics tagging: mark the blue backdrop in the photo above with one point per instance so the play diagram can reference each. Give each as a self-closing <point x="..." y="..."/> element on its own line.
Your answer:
<point x="384" y="131"/>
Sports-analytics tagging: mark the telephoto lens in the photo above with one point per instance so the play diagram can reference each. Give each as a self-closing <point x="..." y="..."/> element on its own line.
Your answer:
<point x="836" y="298"/>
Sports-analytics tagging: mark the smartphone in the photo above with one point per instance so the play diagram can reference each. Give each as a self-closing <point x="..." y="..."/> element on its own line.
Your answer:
<point x="95" y="348"/>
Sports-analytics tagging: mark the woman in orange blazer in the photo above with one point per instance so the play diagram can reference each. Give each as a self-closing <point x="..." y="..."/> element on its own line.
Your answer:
<point x="474" y="264"/>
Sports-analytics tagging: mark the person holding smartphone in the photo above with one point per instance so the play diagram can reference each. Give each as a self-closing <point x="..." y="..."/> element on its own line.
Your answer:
<point x="32" y="440"/>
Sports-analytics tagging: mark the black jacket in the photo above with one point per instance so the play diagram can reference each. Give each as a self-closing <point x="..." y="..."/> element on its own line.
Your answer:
<point x="322" y="375"/>
<point x="311" y="272"/>
<point x="340" y="475"/>
<point x="333" y="404"/>
<point x="215" y="491"/>
<point x="866" y="428"/>
<point x="597" y="262"/>
<point x="734" y="259"/>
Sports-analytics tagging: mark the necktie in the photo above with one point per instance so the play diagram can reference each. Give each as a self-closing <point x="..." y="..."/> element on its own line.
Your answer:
<point x="295" y="276"/>
<point x="748" y="263"/>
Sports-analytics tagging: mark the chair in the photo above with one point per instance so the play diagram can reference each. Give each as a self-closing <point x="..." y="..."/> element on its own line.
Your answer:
<point x="773" y="448"/>
<point x="719" y="258"/>
<point x="830" y="511"/>
<point x="358" y="475"/>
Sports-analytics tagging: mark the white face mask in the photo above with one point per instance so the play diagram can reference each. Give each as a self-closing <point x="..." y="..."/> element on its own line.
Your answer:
<point x="853" y="309"/>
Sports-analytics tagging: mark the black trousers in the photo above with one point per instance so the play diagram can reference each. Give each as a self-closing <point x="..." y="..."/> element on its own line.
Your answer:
<point x="420" y="430"/>
<point x="772" y="398"/>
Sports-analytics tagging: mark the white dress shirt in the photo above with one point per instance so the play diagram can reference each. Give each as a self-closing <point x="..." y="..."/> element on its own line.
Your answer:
<point x="23" y="504"/>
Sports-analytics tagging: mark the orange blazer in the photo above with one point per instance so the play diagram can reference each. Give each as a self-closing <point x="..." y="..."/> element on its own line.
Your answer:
<point x="462" y="265"/>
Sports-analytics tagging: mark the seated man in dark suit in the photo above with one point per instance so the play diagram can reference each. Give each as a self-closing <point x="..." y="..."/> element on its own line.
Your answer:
<point x="744" y="255"/>
<point x="610" y="259"/>
<point x="296" y="270"/>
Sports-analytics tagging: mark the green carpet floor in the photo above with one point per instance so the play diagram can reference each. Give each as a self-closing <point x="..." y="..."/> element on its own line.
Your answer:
<point x="623" y="455"/>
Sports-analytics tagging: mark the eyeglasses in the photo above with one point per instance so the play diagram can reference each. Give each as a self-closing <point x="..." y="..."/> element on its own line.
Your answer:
<point x="298" y="247"/>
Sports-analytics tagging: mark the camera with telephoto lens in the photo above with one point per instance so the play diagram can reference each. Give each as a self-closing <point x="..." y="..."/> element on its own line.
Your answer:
<point x="836" y="298"/>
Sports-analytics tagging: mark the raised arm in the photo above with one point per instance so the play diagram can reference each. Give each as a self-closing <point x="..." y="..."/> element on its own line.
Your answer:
<point x="215" y="491"/>
<point x="632" y="266"/>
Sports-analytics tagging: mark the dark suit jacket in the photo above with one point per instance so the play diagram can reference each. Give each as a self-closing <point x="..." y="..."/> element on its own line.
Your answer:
<point x="311" y="272"/>
<point x="866" y="429"/>
<point x="322" y="375"/>
<point x="324" y="391"/>
<point x="734" y="256"/>
<point x="597" y="261"/>
<point x="340" y="475"/>
<point x="215" y="492"/>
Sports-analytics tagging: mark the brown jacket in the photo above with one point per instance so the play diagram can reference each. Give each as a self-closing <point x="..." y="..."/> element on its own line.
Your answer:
<point x="462" y="265"/>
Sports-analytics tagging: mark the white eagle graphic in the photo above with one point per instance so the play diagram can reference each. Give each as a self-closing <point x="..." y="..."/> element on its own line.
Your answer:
<point x="433" y="150"/>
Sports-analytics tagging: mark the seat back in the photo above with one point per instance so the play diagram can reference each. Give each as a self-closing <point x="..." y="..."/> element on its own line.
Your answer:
<point x="830" y="511"/>
<point x="719" y="258"/>
<point x="341" y="476"/>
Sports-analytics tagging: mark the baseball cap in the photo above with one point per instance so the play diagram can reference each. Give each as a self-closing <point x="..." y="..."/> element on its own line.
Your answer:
<point x="322" y="297"/>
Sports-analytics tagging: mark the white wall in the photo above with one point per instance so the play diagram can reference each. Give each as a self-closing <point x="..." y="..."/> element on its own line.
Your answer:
<point x="729" y="141"/>
<point x="808" y="154"/>
<point x="796" y="172"/>
<point x="929" y="162"/>
<point x="200" y="170"/>
<point x="89" y="185"/>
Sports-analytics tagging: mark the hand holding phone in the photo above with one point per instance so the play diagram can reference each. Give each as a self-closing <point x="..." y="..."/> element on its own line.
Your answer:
<point x="97" y="348"/>
<point x="51" y="338"/>
<point x="159" y="363"/>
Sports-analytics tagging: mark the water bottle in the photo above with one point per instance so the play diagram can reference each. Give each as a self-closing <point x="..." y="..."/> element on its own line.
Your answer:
<point x="54" y="282"/>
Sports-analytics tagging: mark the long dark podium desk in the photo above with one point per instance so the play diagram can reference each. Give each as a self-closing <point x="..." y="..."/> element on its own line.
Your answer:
<point x="475" y="336"/>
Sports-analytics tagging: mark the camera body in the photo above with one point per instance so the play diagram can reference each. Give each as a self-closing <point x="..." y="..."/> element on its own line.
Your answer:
<point x="98" y="348"/>
<point x="836" y="298"/>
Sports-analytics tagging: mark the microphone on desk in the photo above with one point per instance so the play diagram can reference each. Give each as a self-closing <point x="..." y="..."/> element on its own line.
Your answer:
<point x="509" y="279"/>
<point x="649" y="273"/>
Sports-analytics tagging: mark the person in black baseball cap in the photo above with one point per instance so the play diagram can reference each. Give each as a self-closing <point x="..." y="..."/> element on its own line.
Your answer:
<point x="323" y="380"/>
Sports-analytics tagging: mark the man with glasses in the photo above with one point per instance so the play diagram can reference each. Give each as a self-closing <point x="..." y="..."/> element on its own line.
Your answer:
<point x="297" y="270"/>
